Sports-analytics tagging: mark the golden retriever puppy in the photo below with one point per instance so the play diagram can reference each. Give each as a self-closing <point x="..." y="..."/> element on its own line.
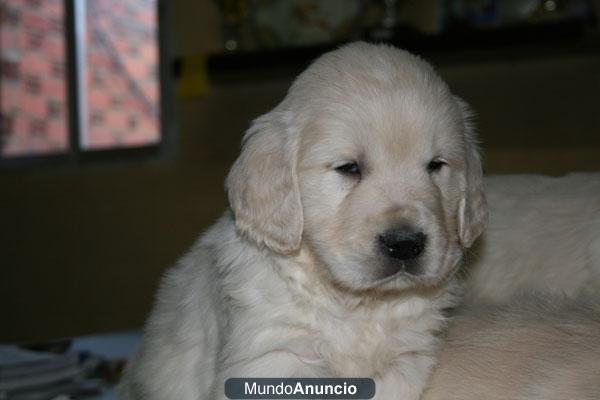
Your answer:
<point x="533" y="348"/>
<point x="543" y="236"/>
<point x="351" y="205"/>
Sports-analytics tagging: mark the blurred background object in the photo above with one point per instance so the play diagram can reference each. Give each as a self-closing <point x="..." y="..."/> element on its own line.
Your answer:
<point x="249" y="25"/>
<point x="254" y="25"/>
<point x="115" y="76"/>
<point x="86" y="367"/>
<point x="33" y="93"/>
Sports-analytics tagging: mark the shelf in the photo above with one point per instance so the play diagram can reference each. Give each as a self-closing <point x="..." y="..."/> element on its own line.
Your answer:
<point x="454" y="46"/>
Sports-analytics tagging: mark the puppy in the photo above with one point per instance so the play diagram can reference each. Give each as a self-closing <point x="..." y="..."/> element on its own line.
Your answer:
<point x="532" y="348"/>
<point x="543" y="237"/>
<point x="351" y="205"/>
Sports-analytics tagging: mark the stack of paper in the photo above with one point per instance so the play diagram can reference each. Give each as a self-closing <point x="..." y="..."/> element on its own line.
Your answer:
<point x="32" y="375"/>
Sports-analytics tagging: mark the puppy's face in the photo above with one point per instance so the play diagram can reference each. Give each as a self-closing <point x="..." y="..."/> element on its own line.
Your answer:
<point x="380" y="183"/>
<point x="369" y="164"/>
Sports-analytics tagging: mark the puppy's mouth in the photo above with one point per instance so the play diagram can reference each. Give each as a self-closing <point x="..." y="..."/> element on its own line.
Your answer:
<point x="397" y="284"/>
<point x="418" y="273"/>
<point x="394" y="268"/>
<point x="378" y="273"/>
<point x="402" y="279"/>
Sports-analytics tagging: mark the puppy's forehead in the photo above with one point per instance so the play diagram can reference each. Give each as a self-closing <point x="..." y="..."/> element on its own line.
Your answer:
<point x="386" y="95"/>
<point x="387" y="119"/>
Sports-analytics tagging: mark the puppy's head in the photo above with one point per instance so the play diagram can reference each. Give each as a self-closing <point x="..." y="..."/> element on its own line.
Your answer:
<point x="370" y="163"/>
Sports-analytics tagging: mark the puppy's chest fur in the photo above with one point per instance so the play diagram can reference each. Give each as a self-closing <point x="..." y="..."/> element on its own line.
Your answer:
<point x="371" y="344"/>
<point x="338" y="334"/>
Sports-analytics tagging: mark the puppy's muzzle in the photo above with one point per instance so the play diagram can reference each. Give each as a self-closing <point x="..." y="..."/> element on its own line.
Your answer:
<point x="403" y="246"/>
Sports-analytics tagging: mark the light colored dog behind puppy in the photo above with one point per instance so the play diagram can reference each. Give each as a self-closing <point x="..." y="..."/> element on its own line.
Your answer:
<point x="534" y="348"/>
<point x="543" y="237"/>
<point x="353" y="201"/>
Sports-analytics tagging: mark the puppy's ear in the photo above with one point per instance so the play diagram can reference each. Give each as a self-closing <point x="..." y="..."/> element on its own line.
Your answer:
<point x="262" y="185"/>
<point x="472" y="209"/>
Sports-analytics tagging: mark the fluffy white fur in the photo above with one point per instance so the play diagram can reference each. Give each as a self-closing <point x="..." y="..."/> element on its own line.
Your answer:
<point x="291" y="282"/>
<point x="543" y="237"/>
<point x="533" y="348"/>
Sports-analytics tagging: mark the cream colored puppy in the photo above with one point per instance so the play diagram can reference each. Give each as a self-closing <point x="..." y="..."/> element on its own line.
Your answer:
<point x="543" y="237"/>
<point x="351" y="204"/>
<point x="533" y="348"/>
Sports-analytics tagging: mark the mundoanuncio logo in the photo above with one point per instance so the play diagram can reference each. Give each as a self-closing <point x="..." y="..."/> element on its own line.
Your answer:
<point x="299" y="388"/>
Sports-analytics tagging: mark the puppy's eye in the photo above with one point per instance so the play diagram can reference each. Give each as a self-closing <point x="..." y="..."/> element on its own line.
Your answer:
<point x="435" y="165"/>
<point x="350" y="169"/>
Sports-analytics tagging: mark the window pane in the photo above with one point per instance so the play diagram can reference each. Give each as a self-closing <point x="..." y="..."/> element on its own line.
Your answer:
<point x="33" y="103"/>
<point x="121" y="74"/>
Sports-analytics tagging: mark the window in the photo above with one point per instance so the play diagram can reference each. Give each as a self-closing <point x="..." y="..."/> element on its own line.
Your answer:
<point x="33" y="102"/>
<point x="78" y="77"/>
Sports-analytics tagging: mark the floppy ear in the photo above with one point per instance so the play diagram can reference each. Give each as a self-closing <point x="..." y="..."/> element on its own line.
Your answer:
<point x="472" y="209"/>
<point x="262" y="185"/>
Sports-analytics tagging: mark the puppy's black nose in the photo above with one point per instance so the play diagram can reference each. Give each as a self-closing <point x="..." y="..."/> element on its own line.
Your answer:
<point x="402" y="243"/>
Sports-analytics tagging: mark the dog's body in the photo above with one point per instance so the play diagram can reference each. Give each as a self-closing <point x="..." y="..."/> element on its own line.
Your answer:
<point x="532" y="348"/>
<point x="531" y="330"/>
<point x="231" y="310"/>
<point x="543" y="236"/>
<point x="352" y="203"/>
